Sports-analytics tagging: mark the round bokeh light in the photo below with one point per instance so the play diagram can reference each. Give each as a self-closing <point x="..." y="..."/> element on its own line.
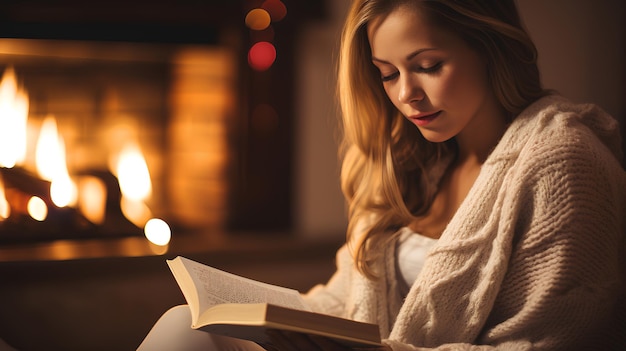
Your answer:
<point x="261" y="56"/>
<point x="258" y="19"/>
<point x="276" y="9"/>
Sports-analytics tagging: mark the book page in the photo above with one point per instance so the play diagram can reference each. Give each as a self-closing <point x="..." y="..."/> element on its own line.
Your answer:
<point x="216" y="286"/>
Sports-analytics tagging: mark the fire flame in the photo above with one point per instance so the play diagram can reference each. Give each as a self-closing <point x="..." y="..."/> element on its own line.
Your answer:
<point x="13" y="120"/>
<point x="136" y="187"/>
<point x="50" y="161"/>
<point x="135" y="184"/>
<point x="133" y="174"/>
<point x="52" y="166"/>
<point x="5" y="209"/>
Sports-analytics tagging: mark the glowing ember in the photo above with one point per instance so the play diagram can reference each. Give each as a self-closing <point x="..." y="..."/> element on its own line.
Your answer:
<point x="92" y="199"/>
<point x="37" y="208"/>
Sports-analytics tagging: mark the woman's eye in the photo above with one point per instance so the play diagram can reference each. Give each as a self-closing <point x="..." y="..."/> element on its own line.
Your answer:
<point x="419" y="69"/>
<point x="389" y="77"/>
<point x="430" y="69"/>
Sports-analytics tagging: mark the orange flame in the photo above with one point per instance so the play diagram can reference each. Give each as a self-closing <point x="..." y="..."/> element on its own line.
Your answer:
<point x="5" y="209"/>
<point x="13" y="120"/>
<point x="51" y="164"/>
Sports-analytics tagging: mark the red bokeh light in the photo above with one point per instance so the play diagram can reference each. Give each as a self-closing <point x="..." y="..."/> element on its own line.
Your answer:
<point x="276" y="9"/>
<point x="261" y="56"/>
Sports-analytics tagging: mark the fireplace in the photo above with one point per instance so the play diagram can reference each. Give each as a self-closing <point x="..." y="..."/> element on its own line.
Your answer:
<point x="156" y="116"/>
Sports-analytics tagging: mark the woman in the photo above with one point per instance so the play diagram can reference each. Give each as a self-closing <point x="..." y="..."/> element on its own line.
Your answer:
<point x="483" y="210"/>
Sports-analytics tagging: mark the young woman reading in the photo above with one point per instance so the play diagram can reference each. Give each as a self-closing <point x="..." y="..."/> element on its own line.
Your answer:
<point x="483" y="210"/>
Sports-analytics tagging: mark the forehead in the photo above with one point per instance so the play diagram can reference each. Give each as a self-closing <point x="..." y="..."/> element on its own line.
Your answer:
<point x="405" y="26"/>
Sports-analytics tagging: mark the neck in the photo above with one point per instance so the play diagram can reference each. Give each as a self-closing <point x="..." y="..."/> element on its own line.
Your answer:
<point x="476" y="143"/>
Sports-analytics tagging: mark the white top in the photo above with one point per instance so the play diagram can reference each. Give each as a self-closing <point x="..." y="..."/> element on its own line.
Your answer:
<point x="411" y="253"/>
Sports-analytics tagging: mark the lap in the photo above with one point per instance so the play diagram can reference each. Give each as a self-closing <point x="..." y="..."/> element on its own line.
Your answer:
<point x="173" y="332"/>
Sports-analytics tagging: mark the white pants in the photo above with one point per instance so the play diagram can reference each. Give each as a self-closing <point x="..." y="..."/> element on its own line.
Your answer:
<point x="173" y="332"/>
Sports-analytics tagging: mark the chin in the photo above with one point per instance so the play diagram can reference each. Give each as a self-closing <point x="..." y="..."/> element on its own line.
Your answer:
<point x="435" y="137"/>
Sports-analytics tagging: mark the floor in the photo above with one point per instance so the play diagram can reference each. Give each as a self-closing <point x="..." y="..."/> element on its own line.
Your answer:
<point x="111" y="303"/>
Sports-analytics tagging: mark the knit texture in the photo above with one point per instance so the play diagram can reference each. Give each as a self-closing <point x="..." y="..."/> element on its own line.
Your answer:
<point x="531" y="259"/>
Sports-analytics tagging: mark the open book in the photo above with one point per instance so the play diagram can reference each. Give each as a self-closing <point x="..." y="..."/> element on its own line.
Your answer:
<point x="227" y="304"/>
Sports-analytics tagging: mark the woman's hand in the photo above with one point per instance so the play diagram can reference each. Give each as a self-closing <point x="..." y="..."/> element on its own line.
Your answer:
<point x="289" y="341"/>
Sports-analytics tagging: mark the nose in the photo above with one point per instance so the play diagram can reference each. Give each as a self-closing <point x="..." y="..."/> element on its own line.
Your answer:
<point x="410" y="89"/>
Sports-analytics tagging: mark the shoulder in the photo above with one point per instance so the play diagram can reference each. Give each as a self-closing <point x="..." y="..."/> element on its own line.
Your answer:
<point x="559" y="147"/>
<point x="553" y="129"/>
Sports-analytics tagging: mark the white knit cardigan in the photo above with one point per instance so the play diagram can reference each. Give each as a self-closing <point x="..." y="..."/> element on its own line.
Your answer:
<point x="531" y="259"/>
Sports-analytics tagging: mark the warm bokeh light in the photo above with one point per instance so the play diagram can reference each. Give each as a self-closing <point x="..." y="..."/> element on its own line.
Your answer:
<point x="51" y="164"/>
<point x="258" y="19"/>
<point x="135" y="184"/>
<point x="158" y="232"/>
<point x="63" y="191"/>
<point x="132" y="173"/>
<point x="50" y="152"/>
<point x="13" y="120"/>
<point x="92" y="197"/>
<point x="37" y="208"/>
<point x="276" y="9"/>
<point x="262" y="56"/>
<point x="5" y="209"/>
<point x="135" y="211"/>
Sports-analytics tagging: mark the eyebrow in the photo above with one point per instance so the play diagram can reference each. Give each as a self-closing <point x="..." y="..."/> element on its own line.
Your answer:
<point x="408" y="57"/>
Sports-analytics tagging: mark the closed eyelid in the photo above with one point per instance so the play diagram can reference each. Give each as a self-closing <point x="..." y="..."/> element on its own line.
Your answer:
<point x="386" y="78"/>
<point x="431" y="68"/>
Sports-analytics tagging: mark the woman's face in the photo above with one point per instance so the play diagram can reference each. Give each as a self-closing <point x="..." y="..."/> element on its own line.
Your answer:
<point x="432" y="77"/>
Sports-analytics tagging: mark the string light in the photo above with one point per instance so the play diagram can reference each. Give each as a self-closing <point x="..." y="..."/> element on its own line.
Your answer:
<point x="261" y="56"/>
<point x="258" y="19"/>
<point x="275" y="8"/>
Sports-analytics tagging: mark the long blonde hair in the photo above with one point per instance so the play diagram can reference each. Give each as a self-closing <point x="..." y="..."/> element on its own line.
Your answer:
<point x="386" y="161"/>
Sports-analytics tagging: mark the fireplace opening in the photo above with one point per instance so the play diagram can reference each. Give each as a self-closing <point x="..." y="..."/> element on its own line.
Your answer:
<point x="131" y="131"/>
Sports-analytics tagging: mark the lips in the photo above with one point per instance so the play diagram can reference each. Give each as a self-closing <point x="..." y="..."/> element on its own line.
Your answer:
<point x="423" y="119"/>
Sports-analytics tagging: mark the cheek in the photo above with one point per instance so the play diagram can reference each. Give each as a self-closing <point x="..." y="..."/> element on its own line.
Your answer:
<point x="392" y="94"/>
<point x="458" y="88"/>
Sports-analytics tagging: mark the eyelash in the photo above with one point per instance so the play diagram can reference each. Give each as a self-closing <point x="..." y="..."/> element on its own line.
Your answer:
<point x="427" y="70"/>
